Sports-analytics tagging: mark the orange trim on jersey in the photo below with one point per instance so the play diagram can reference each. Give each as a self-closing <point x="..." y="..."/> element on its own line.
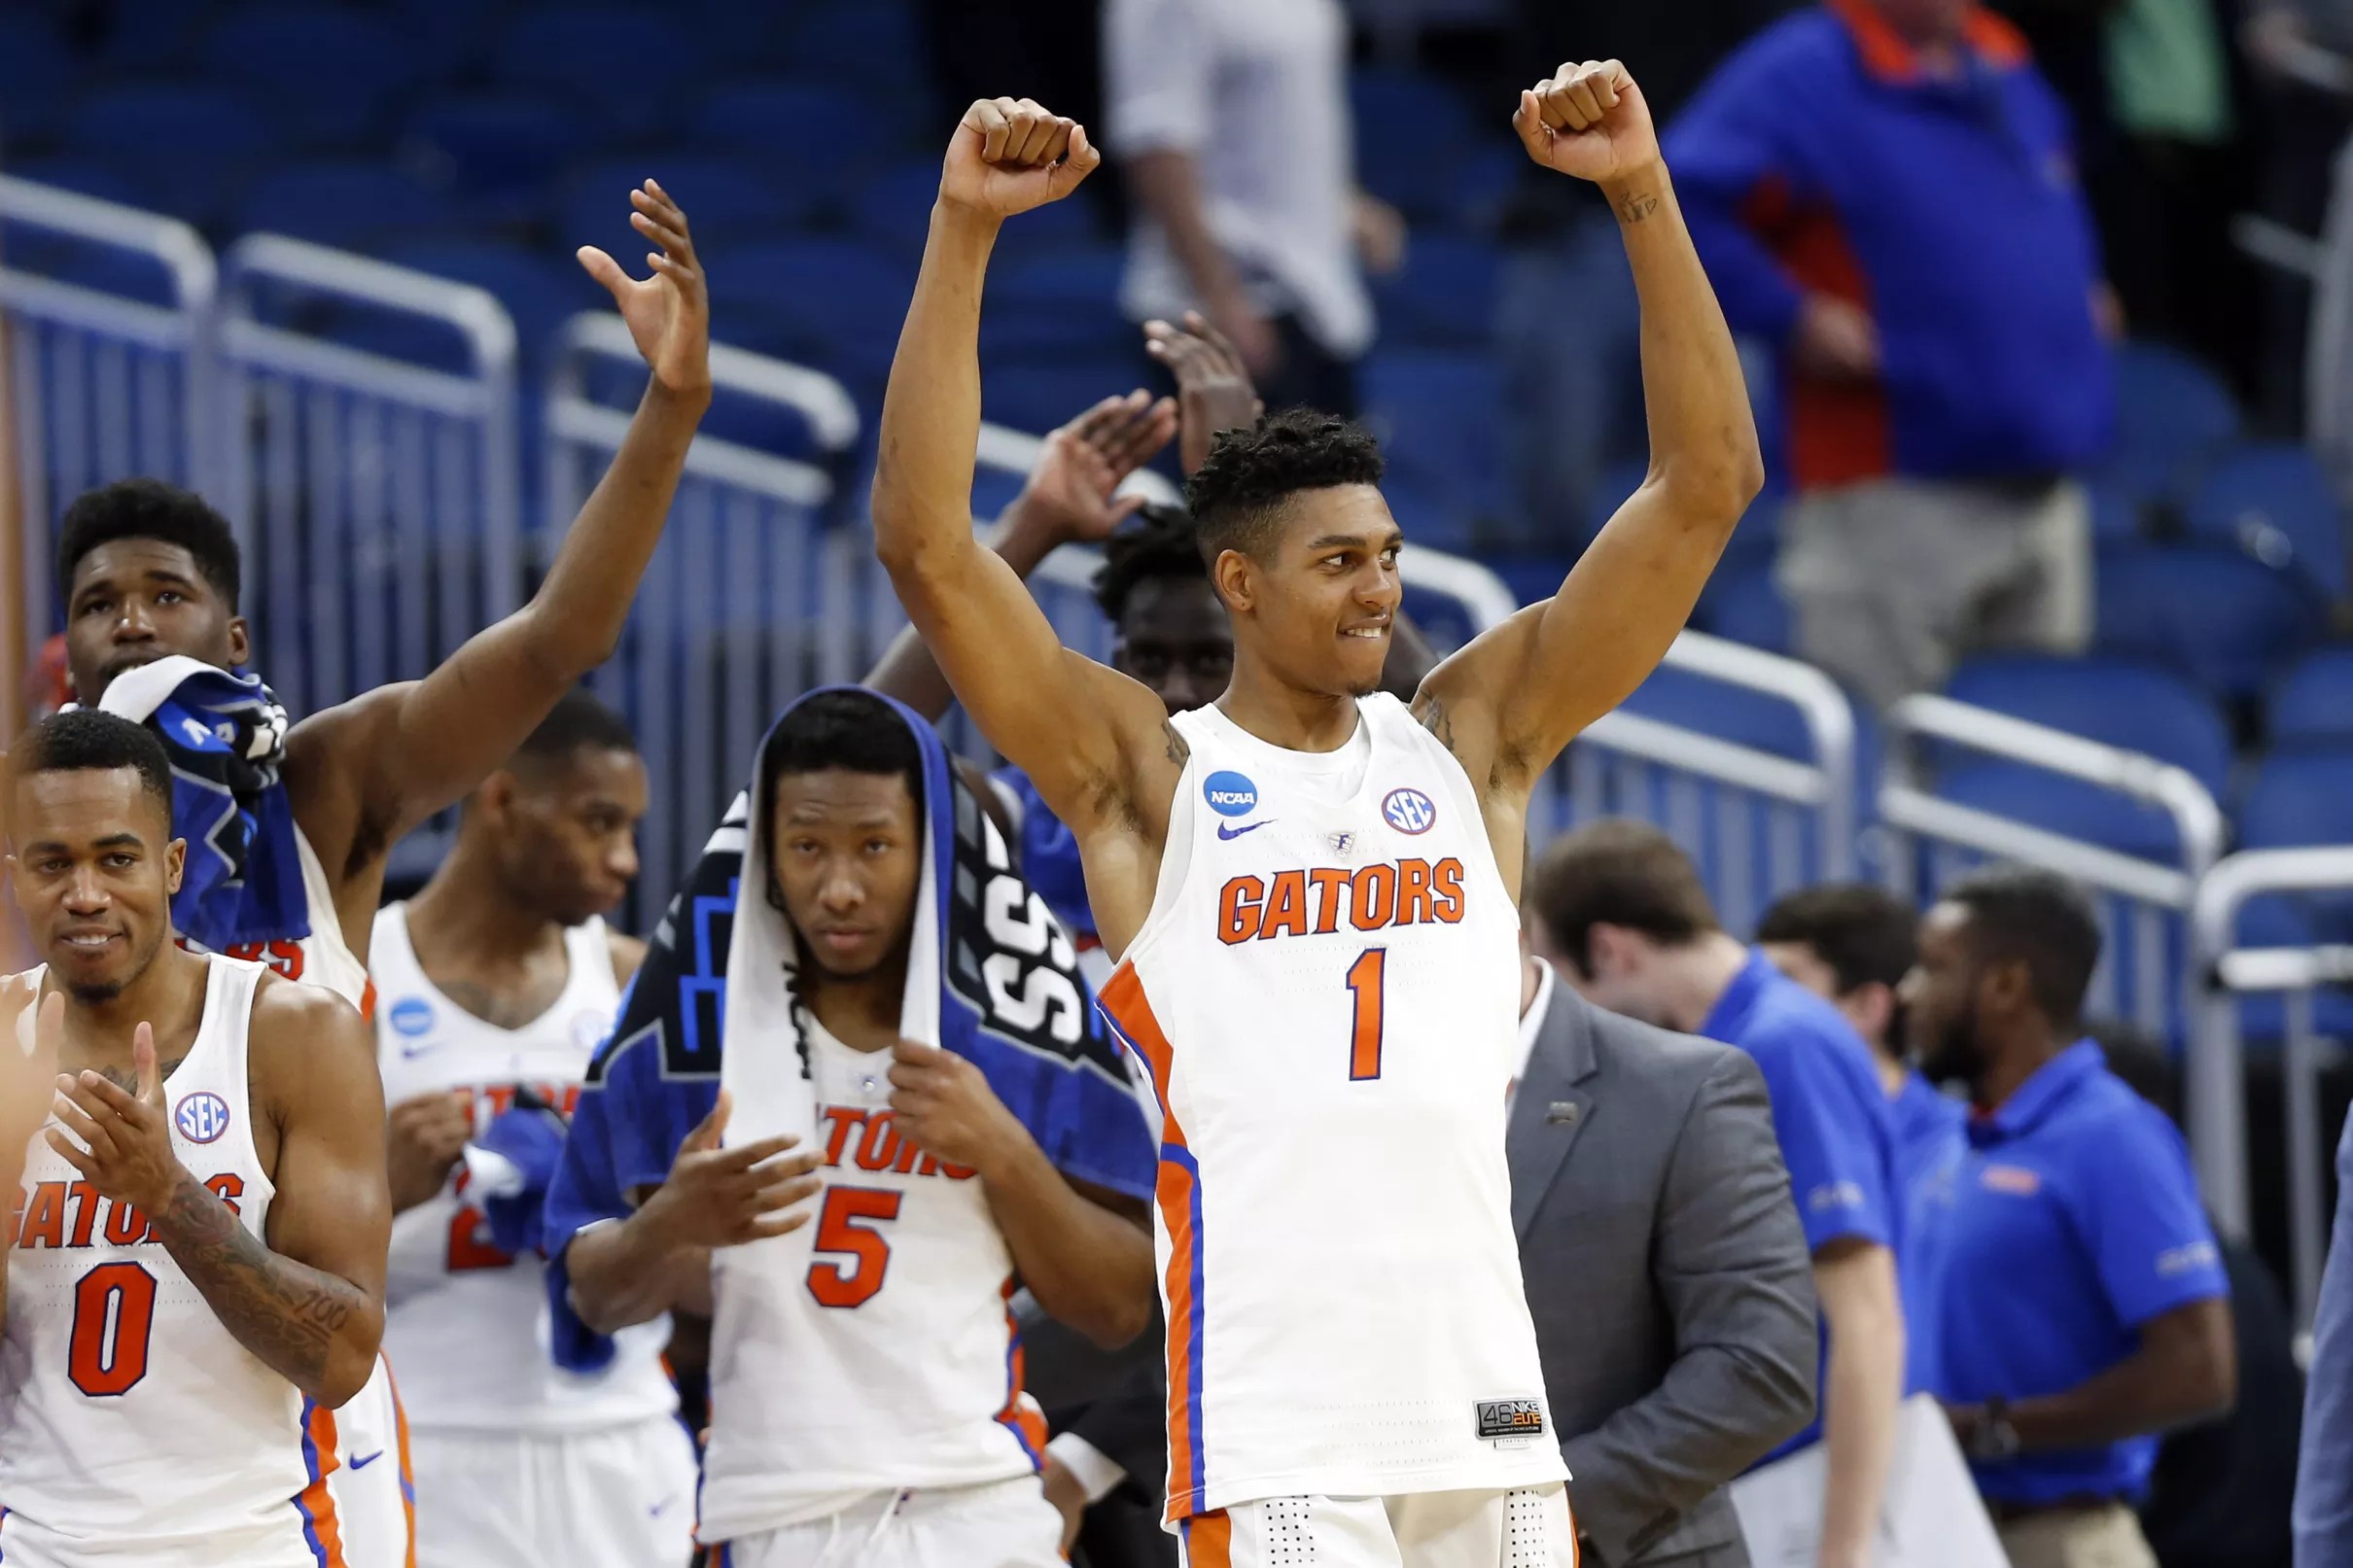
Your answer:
<point x="1123" y="998"/>
<point x="400" y="1426"/>
<point x="316" y="1501"/>
<point x="1209" y="1540"/>
<point x="1020" y="1416"/>
<point x="368" y="1014"/>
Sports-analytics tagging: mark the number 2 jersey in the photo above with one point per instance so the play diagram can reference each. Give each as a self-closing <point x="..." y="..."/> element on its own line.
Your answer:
<point x="134" y="1429"/>
<point x="467" y="1323"/>
<point x="1326" y="990"/>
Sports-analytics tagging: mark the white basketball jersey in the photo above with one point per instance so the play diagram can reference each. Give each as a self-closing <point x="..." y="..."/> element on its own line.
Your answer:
<point x="133" y="1427"/>
<point x="466" y="1324"/>
<point x="321" y="958"/>
<point x="874" y="1347"/>
<point x="1328" y="993"/>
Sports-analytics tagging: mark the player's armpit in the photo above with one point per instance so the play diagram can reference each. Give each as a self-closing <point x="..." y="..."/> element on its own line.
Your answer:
<point x="309" y="1299"/>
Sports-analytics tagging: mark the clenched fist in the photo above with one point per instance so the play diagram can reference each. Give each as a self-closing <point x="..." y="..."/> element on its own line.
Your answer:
<point x="1010" y="154"/>
<point x="1589" y="121"/>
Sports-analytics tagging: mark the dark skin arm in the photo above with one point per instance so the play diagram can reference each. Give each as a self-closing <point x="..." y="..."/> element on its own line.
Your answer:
<point x="2184" y="1371"/>
<point x="362" y="775"/>
<point x="1085" y="1254"/>
<point x="1510" y="702"/>
<point x="308" y="1300"/>
<point x="27" y="1085"/>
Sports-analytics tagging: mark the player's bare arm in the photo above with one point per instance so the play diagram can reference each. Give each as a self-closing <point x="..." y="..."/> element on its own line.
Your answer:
<point x="363" y="773"/>
<point x="1085" y="1254"/>
<point x="28" y="1081"/>
<point x="308" y="1300"/>
<point x="1091" y="739"/>
<point x="1071" y="498"/>
<point x="1510" y="702"/>
<point x="635" y="1270"/>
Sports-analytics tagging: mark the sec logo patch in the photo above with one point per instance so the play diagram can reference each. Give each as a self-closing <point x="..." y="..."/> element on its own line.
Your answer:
<point x="1409" y="811"/>
<point x="1230" y="795"/>
<point x="202" y="1117"/>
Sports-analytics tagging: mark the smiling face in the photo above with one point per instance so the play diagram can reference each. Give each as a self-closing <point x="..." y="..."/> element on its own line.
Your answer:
<point x="846" y="853"/>
<point x="95" y="869"/>
<point x="1319" y="607"/>
<point x="134" y="601"/>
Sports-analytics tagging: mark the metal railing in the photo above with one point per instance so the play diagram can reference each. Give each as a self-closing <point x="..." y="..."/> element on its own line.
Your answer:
<point x="752" y="596"/>
<point x="2144" y="977"/>
<point x="1757" y="822"/>
<point x="378" y="491"/>
<point x="2223" y="974"/>
<point x="110" y="373"/>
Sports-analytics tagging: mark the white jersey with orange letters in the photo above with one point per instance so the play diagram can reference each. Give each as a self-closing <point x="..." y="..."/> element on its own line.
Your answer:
<point x="1326" y="990"/>
<point x="133" y="1427"/>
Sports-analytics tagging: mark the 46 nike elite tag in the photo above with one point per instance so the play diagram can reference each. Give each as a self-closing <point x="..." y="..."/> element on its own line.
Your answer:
<point x="1508" y="1423"/>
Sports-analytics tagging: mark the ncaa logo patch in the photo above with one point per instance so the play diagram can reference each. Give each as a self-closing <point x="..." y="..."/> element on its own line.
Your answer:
<point x="1230" y="795"/>
<point x="1409" y="811"/>
<point x="412" y="1016"/>
<point x="200" y="1117"/>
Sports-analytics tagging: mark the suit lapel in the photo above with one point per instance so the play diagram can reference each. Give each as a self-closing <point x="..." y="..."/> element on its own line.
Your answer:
<point x="1552" y="1104"/>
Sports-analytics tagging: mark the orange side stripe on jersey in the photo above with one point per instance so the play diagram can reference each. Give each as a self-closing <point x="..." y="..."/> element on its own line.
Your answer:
<point x="408" y="1475"/>
<point x="322" y="1531"/>
<point x="1131" y="1012"/>
<point x="1209" y="1541"/>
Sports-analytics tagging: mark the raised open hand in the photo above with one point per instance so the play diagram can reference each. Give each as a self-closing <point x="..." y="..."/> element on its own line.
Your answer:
<point x="1589" y="121"/>
<point x="124" y="1144"/>
<point x="1009" y="155"/>
<point x="1073" y="492"/>
<point x="669" y="314"/>
<point x="1213" y="390"/>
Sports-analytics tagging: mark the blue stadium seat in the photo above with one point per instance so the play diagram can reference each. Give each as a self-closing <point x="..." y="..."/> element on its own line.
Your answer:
<point x="498" y="154"/>
<point x="1444" y="296"/>
<point x="1059" y="305"/>
<point x="36" y="74"/>
<point x="2298" y="798"/>
<point x="2314" y="701"/>
<point x="2291" y="920"/>
<point x="84" y="176"/>
<point x="1747" y="607"/>
<point x="727" y="199"/>
<point x="835" y="304"/>
<point x="182" y="143"/>
<point x="2209" y="611"/>
<point x="540" y="292"/>
<point x="625" y="64"/>
<point x="2271" y="499"/>
<point x="1038" y="395"/>
<point x="765" y="120"/>
<point x="2113" y="701"/>
<point x="451" y="37"/>
<point x="148" y="35"/>
<point x="2171" y="412"/>
<point x="1728" y="712"/>
<point x="868" y="43"/>
<point x="327" y="78"/>
<point x="1411" y="133"/>
<point x="2059" y="804"/>
<point x="2120" y="513"/>
<point x="1440" y="418"/>
<point x="343" y="202"/>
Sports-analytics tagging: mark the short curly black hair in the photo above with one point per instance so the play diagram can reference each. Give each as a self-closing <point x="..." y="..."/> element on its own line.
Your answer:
<point x="1237" y="496"/>
<point x="87" y="739"/>
<point x="149" y="509"/>
<point x="1162" y="542"/>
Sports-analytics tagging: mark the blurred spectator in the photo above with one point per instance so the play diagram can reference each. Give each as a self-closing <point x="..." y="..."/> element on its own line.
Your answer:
<point x="1883" y="188"/>
<point x="1259" y="225"/>
<point x="1565" y="323"/>
<point x="2081" y="1304"/>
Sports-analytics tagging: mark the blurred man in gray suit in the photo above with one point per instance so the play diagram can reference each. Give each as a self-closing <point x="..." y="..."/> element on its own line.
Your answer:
<point x="1667" y="1274"/>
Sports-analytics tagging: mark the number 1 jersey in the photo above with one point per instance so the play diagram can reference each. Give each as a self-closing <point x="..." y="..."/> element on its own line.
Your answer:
<point x="1326" y="990"/>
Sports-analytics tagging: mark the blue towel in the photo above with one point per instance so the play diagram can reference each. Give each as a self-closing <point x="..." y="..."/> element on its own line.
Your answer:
<point x="225" y="735"/>
<point x="658" y="1077"/>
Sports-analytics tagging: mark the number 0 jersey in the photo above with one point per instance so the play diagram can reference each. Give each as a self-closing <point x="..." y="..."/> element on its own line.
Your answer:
<point x="467" y="1323"/>
<point x="1328" y="993"/>
<point x="133" y="1427"/>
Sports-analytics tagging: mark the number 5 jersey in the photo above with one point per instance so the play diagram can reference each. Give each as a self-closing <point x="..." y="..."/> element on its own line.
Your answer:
<point x="134" y="1428"/>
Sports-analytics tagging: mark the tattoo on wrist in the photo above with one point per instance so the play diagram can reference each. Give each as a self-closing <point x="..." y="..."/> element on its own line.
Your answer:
<point x="1637" y="207"/>
<point x="286" y="1314"/>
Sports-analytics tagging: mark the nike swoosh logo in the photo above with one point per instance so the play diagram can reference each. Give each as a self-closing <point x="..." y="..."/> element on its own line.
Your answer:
<point x="1225" y="832"/>
<point x="361" y="1461"/>
<point x="660" y="1508"/>
<point x="409" y="1053"/>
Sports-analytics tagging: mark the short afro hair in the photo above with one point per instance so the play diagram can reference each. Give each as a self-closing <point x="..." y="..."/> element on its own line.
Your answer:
<point x="1238" y="495"/>
<point x="2019" y="915"/>
<point x="149" y="509"/>
<point x="87" y="739"/>
<point x="1161" y="543"/>
<point x="577" y="721"/>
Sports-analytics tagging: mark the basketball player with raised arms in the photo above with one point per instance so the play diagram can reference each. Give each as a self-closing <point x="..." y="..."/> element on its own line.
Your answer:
<point x="288" y="831"/>
<point x="1312" y="890"/>
<point x="495" y="985"/>
<point x="196" y="1259"/>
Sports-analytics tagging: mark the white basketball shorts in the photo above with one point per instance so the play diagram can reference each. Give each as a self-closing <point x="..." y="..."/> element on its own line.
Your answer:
<point x="1525" y="1528"/>
<point x="1003" y="1524"/>
<point x="615" y="1497"/>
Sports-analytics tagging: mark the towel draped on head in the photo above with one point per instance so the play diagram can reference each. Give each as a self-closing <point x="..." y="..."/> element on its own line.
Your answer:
<point x="991" y="976"/>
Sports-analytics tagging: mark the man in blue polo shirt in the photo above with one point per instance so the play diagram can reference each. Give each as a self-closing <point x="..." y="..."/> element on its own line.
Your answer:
<point x="2081" y="1302"/>
<point x="1916" y="246"/>
<point x="1627" y="922"/>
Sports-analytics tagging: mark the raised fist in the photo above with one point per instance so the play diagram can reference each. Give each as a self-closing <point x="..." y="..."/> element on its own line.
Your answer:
<point x="1589" y="121"/>
<point x="1010" y="154"/>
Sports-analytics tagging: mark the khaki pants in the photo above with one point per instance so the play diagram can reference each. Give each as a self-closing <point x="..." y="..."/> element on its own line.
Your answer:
<point x="1892" y="581"/>
<point x="2105" y="1537"/>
